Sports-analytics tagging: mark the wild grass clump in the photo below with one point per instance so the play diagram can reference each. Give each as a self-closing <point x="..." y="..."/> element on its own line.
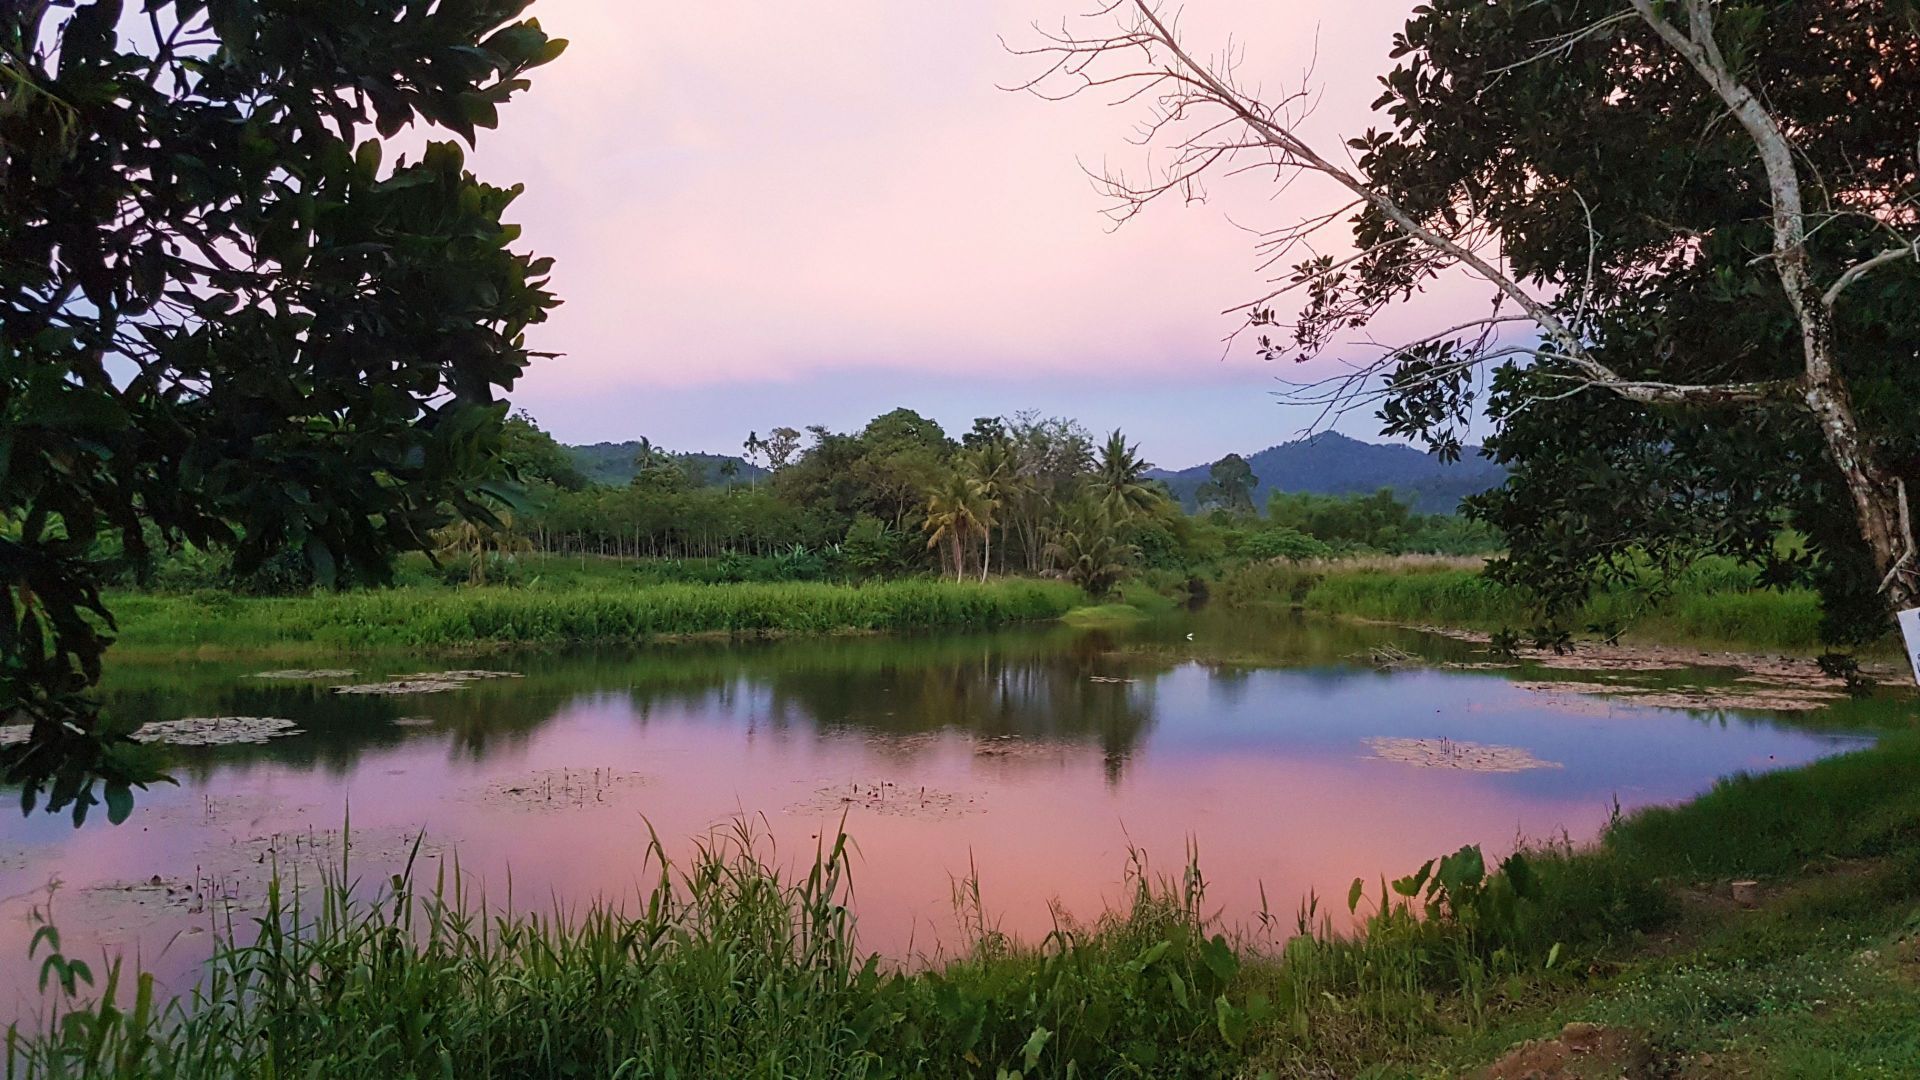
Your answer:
<point x="412" y="618"/>
<point x="1860" y="805"/>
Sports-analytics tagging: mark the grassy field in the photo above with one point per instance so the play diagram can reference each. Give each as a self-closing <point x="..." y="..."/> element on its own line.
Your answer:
<point x="1714" y="602"/>
<point x="439" y="616"/>
<point x="724" y="969"/>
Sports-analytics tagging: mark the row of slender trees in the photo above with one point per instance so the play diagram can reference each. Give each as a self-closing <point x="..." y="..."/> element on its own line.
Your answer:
<point x="1019" y="494"/>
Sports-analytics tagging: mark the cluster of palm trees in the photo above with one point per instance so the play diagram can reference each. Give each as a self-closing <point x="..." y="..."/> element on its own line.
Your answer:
<point x="1078" y="521"/>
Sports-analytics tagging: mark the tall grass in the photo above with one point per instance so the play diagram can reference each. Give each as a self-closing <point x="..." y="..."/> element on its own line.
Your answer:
<point x="721" y="969"/>
<point x="727" y="968"/>
<point x="411" y="617"/>
<point x="1714" y="601"/>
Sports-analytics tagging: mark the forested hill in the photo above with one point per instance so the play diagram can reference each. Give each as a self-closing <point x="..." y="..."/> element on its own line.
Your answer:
<point x="613" y="463"/>
<point x="1333" y="464"/>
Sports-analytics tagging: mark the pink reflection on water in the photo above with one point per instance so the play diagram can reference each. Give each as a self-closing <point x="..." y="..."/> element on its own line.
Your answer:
<point x="1045" y="825"/>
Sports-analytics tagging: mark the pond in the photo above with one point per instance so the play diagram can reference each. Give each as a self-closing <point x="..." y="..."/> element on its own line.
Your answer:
<point x="1036" y="758"/>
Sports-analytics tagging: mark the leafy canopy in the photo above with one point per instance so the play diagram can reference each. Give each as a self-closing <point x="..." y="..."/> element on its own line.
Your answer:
<point x="1610" y="174"/>
<point x="227" y="320"/>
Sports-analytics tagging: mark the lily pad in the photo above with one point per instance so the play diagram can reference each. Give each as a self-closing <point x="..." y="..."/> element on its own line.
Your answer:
<point x="216" y="730"/>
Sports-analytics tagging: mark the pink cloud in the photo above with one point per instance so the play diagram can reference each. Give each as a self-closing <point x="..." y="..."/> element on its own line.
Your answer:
<point x="748" y="192"/>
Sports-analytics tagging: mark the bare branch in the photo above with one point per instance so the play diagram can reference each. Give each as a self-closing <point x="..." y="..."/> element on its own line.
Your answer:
<point x="1867" y="266"/>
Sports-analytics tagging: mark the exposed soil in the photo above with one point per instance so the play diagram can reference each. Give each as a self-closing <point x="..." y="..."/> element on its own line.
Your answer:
<point x="1765" y="683"/>
<point x="1581" y="1052"/>
<point x="1799" y="671"/>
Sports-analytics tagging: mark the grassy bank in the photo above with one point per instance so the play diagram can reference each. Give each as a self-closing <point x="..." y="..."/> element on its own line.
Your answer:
<point x="418" y="617"/>
<point x="724" y="969"/>
<point x="1714" y="602"/>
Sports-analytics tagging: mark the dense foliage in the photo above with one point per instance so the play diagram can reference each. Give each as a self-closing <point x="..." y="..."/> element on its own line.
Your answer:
<point x="1378" y="523"/>
<point x="1020" y="495"/>
<point x="897" y="496"/>
<point x="226" y="320"/>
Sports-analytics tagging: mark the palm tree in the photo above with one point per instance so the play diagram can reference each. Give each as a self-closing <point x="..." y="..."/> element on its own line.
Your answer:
<point x="1085" y="548"/>
<point x="753" y="448"/>
<point x="956" y="510"/>
<point x="1119" y="482"/>
<point x="991" y="465"/>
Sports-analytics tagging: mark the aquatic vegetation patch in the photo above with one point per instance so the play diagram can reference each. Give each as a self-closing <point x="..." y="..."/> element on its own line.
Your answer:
<point x="395" y="687"/>
<point x="1753" y="694"/>
<point x="306" y="674"/>
<point x="216" y="730"/>
<point x="156" y="892"/>
<point x="1017" y="748"/>
<point x="1773" y="699"/>
<point x="890" y="799"/>
<point x="561" y="789"/>
<point x="425" y="682"/>
<point x="414" y="721"/>
<point x="1455" y="754"/>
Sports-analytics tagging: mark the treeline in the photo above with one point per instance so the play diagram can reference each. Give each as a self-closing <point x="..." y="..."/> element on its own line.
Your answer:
<point x="1020" y="495"/>
<point x="1024" y="494"/>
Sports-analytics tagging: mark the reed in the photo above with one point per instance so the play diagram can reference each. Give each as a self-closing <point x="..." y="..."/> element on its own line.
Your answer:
<point x="722" y="968"/>
<point x="434" y="617"/>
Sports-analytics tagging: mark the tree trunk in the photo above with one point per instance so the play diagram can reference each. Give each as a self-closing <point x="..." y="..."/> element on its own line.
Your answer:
<point x="1879" y="500"/>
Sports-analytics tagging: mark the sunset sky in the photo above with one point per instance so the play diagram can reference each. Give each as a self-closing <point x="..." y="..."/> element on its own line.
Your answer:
<point x="770" y="214"/>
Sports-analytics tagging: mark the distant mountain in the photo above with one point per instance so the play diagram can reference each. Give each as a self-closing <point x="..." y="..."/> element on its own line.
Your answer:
<point x="1333" y="464"/>
<point x="612" y="463"/>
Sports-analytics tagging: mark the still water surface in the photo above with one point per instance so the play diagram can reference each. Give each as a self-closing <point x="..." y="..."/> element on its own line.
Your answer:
<point x="1035" y="756"/>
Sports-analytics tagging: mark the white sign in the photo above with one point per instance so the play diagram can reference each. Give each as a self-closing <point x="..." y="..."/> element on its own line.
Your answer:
<point x="1910" y="629"/>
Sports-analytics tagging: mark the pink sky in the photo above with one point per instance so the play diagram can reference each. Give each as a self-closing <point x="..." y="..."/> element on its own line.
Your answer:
<point x="808" y="213"/>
